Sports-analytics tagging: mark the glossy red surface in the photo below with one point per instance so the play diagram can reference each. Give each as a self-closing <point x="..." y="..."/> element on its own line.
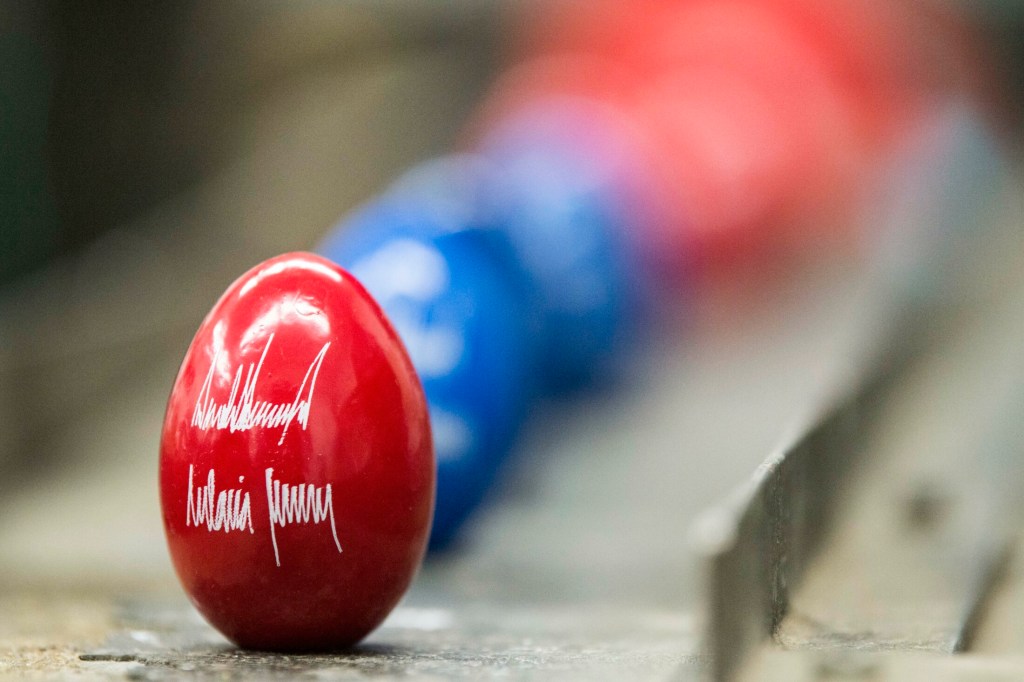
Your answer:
<point x="296" y="378"/>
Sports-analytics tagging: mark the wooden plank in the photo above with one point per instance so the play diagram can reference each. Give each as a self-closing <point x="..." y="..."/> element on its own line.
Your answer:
<point x="923" y="531"/>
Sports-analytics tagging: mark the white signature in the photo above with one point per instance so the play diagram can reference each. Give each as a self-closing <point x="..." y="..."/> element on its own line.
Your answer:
<point x="243" y="412"/>
<point x="296" y="504"/>
<point x="231" y="509"/>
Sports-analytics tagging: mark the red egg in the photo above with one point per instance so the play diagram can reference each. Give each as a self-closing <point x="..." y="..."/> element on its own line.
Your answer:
<point x="296" y="462"/>
<point x="592" y="98"/>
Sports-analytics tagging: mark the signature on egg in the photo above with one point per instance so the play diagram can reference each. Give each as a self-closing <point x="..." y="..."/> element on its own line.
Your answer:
<point x="243" y="412"/>
<point x="300" y="503"/>
<point x="230" y="509"/>
<point x="226" y="511"/>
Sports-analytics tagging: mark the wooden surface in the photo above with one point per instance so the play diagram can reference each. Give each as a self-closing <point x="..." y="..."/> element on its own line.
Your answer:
<point x="920" y="578"/>
<point x="580" y="569"/>
<point x="582" y="566"/>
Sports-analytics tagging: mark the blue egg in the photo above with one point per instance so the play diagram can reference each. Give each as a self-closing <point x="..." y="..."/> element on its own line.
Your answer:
<point x="563" y="208"/>
<point x="442" y="279"/>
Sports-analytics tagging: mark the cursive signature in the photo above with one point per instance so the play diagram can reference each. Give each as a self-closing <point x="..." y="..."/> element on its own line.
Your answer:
<point x="227" y="511"/>
<point x="242" y="412"/>
<point x="296" y="504"/>
<point x="231" y="509"/>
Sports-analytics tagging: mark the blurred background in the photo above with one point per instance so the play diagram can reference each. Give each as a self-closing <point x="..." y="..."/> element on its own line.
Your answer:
<point x="145" y="147"/>
<point x="795" y="185"/>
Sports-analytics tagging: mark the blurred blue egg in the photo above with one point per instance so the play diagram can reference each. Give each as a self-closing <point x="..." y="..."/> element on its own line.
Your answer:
<point x="562" y="206"/>
<point x="442" y="279"/>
